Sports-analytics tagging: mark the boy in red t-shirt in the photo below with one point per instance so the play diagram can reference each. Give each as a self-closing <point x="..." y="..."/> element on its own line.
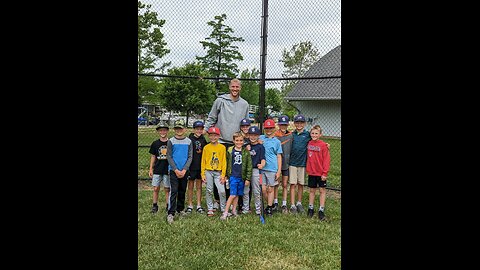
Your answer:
<point x="318" y="165"/>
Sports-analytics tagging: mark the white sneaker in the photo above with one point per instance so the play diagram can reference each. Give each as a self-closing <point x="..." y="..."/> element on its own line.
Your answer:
<point x="215" y="206"/>
<point x="224" y="216"/>
<point x="170" y="219"/>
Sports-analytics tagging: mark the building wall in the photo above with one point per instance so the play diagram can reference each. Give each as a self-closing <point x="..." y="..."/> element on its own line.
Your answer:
<point x="326" y="113"/>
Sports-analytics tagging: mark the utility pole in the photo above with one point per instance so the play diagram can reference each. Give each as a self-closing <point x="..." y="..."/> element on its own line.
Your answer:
<point x="263" y="57"/>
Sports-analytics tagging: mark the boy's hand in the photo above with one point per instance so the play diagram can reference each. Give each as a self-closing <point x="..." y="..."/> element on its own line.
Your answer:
<point x="247" y="183"/>
<point x="150" y="172"/>
<point x="222" y="180"/>
<point x="204" y="179"/>
<point x="260" y="166"/>
<point x="248" y="147"/>
<point x="328" y="146"/>
<point x="324" y="178"/>
<point x="277" y="175"/>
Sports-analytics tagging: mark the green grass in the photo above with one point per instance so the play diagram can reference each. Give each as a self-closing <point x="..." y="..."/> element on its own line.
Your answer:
<point x="147" y="135"/>
<point x="200" y="242"/>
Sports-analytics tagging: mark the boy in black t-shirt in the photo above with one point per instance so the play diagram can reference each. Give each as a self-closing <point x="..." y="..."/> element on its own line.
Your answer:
<point x="159" y="166"/>
<point x="195" y="178"/>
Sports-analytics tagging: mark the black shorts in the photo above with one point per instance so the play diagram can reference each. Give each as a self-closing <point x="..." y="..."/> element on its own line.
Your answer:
<point x="316" y="182"/>
<point x="285" y="172"/>
<point x="194" y="174"/>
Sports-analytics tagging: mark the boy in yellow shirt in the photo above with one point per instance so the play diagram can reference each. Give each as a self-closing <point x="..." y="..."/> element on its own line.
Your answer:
<point x="213" y="169"/>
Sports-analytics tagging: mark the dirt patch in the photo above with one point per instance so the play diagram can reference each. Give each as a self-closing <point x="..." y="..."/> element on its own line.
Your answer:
<point x="144" y="185"/>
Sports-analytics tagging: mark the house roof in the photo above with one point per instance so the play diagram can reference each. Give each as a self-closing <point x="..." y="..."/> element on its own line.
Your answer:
<point x="320" y="89"/>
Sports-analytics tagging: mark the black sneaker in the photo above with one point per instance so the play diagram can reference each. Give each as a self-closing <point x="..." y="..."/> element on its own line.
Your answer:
<point x="310" y="212"/>
<point x="275" y="207"/>
<point x="269" y="210"/>
<point x="154" y="209"/>
<point x="321" y="215"/>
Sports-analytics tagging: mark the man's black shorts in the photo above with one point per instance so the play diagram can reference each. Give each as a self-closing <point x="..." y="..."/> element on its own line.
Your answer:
<point x="316" y="182"/>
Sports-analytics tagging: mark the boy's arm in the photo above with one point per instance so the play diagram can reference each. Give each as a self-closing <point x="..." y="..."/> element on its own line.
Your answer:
<point x="279" y="162"/>
<point x="223" y="165"/>
<point x="152" y="162"/>
<point x="326" y="163"/>
<point x="190" y="157"/>
<point x="249" y="167"/>
<point x="169" y="156"/>
<point x="203" y="164"/>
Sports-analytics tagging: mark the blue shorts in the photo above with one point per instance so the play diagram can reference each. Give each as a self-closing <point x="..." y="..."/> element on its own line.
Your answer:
<point x="236" y="186"/>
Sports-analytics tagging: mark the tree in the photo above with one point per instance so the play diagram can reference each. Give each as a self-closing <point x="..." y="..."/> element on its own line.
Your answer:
<point x="273" y="98"/>
<point x="296" y="62"/>
<point x="250" y="89"/>
<point x="187" y="95"/>
<point x="221" y="52"/>
<point x="151" y="48"/>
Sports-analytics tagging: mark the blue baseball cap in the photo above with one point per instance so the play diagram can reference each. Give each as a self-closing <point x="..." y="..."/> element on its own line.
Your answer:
<point x="198" y="124"/>
<point x="245" y="122"/>
<point x="299" y="118"/>
<point x="254" y="130"/>
<point x="283" y="120"/>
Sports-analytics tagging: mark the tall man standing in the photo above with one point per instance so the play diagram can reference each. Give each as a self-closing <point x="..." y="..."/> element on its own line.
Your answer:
<point x="227" y="112"/>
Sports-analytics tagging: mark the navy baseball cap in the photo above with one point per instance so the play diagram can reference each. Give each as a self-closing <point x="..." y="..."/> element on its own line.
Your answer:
<point x="283" y="120"/>
<point x="198" y="124"/>
<point x="245" y="122"/>
<point x="254" y="130"/>
<point x="299" y="118"/>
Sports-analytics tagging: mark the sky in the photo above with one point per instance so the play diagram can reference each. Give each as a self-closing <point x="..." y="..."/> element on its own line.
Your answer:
<point x="289" y="22"/>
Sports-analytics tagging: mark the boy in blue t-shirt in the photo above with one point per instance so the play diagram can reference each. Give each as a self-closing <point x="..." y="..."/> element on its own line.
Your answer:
<point x="273" y="166"/>
<point x="179" y="156"/>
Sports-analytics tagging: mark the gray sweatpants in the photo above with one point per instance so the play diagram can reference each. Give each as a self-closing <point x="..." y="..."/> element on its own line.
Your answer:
<point x="213" y="177"/>
<point x="255" y="183"/>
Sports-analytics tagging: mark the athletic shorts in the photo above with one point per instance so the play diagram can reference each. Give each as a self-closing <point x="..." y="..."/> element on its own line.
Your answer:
<point x="158" y="179"/>
<point x="285" y="172"/>
<point x="195" y="174"/>
<point x="268" y="178"/>
<point x="297" y="175"/>
<point x="316" y="182"/>
<point x="236" y="186"/>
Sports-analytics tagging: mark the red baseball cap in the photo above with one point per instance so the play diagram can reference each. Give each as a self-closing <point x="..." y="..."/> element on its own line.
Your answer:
<point x="214" y="130"/>
<point x="269" y="123"/>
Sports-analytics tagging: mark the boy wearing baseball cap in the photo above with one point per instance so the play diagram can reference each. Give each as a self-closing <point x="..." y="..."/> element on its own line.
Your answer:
<point x="213" y="169"/>
<point x="194" y="178"/>
<point x="257" y="151"/>
<point x="286" y="138"/>
<point x="158" y="170"/>
<point x="298" y="162"/>
<point x="273" y="166"/>
<point x="179" y="156"/>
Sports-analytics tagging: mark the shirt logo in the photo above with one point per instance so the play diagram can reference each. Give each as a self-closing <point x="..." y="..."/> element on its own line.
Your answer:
<point x="237" y="159"/>
<point x="162" y="152"/>
<point x="214" y="162"/>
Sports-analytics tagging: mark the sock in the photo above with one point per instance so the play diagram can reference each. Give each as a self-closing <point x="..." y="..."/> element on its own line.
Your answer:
<point x="299" y="202"/>
<point x="310" y="206"/>
<point x="284" y="203"/>
<point x="322" y="208"/>
<point x="275" y="201"/>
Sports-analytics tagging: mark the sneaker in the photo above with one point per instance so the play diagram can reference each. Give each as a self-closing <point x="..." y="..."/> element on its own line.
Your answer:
<point x="300" y="208"/>
<point x="293" y="209"/>
<point x="245" y="212"/>
<point x="210" y="213"/>
<point x="215" y="206"/>
<point x="234" y="214"/>
<point x="170" y="218"/>
<point x="269" y="210"/>
<point x="189" y="210"/>
<point x="224" y="216"/>
<point x="275" y="207"/>
<point x="310" y="212"/>
<point x="321" y="215"/>
<point x="258" y="213"/>
<point x="154" y="209"/>
<point x="284" y="209"/>
<point x="200" y="210"/>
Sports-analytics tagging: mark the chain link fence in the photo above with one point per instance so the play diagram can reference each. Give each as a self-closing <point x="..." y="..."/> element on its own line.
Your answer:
<point x="302" y="72"/>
